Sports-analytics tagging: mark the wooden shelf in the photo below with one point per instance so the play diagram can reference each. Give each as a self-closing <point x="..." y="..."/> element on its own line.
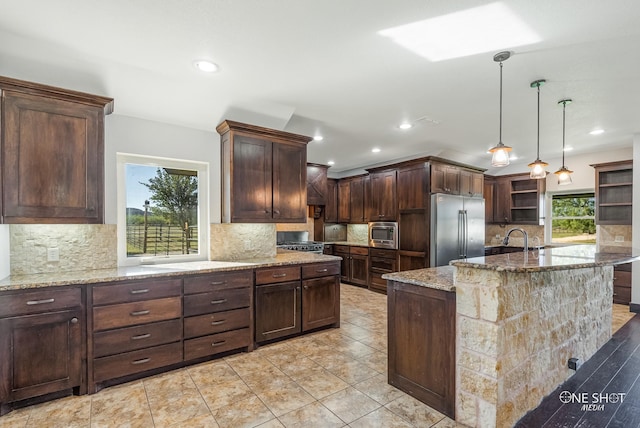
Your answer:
<point x="614" y="192"/>
<point x="615" y="184"/>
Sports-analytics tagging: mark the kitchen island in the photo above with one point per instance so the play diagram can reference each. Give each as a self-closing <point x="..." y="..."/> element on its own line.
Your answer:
<point x="518" y="319"/>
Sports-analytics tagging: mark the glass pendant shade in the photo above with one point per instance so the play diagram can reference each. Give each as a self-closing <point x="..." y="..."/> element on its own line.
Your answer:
<point x="564" y="173"/>
<point x="500" y="155"/>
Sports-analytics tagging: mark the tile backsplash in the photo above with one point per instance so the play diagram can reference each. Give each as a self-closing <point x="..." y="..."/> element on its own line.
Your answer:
<point x="358" y="233"/>
<point x="516" y="240"/>
<point x="613" y="238"/>
<point x="238" y="241"/>
<point x="79" y="246"/>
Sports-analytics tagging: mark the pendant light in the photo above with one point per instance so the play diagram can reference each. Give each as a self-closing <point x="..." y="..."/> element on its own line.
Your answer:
<point x="537" y="166"/>
<point x="500" y="153"/>
<point x="564" y="173"/>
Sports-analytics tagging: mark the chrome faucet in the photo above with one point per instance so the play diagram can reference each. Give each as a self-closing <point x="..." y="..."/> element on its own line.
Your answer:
<point x="524" y="233"/>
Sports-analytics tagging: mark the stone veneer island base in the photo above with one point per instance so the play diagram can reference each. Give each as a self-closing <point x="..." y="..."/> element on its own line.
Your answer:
<point x="519" y="318"/>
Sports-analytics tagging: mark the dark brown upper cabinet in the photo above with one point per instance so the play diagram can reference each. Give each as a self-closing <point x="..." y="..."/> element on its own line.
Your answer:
<point x="264" y="174"/>
<point x="52" y="154"/>
<point x="516" y="199"/>
<point x="331" y="208"/>
<point x="317" y="191"/>
<point x="353" y="199"/>
<point x="614" y="192"/>
<point x="384" y="202"/>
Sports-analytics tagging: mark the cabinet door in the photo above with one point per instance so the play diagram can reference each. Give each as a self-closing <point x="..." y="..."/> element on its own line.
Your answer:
<point x="53" y="160"/>
<point x="384" y="201"/>
<point x="477" y="184"/>
<point x="359" y="269"/>
<point x="40" y="354"/>
<point x="316" y="184"/>
<point x="320" y="302"/>
<point x="502" y="203"/>
<point x="289" y="183"/>
<point x="357" y="200"/>
<point x="252" y="179"/>
<point x="344" y="201"/>
<point x="412" y="188"/>
<point x="331" y="209"/>
<point x="345" y="266"/>
<point x="489" y="200"/>
<point x="277" y="310"/>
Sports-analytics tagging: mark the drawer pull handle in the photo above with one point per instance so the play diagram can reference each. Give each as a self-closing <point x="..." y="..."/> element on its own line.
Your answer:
<point x="217" y="282"/>
<point x="139" y="313"/>
<point x="218" y="322"/>
<point x="142" y="361"/>
<point x="40" y="302"/>
<point x="306" y="287"/>
<point x="217" y="302"/>
<point x="141" y="336"/>
<point x="279" y="275"/>
<point x="74" y="320"/>
<point x="142" y="291"/>
<point x="322" y="270"/>
<point x="218" y="343"/>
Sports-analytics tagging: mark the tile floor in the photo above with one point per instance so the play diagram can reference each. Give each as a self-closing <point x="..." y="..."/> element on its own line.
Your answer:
<point x="332" y="378"/>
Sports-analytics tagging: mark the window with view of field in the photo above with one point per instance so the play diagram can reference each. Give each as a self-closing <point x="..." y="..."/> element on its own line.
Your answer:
<point x="163" y="209"/>
<point x="573" y="218"/>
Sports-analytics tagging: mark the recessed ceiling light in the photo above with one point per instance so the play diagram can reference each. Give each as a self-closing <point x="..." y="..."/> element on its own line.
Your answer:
<point x="206" y="66"/>
<point x="597" y="132"/>
<point x="331" y="163"/>
<point x="472" y="31"/>
<point x="318" y="138"/>
<point x="405" y="125"/>
<point x="375" y="150"/>
<point x="568" y="149"/>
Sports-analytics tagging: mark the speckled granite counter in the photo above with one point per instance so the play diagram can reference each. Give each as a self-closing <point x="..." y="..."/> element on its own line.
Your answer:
<point x="284" y="257"/>
<point x="440" y="278"/>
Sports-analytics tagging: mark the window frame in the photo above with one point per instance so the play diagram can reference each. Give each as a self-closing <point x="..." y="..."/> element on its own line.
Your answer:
<point x="202" y="169"/>
<point x="548" y="230"/>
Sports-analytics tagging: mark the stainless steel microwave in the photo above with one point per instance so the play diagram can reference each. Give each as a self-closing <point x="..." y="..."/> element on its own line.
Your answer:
<point x="383" y="234"/>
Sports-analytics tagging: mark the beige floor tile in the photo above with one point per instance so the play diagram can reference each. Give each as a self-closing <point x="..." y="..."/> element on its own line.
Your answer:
<point x="283" y="399"/>
<point x="378" y="389"/>
<point x="203" y="421"/>
<point x="620" y="316"/>
<point x="177" y="409"/>
<point x="314" y="415"/>
<point x="414" y="411"/>
<point x="448" y="423"/>
<point x="211" y="373"/>
<point x="66" y="412"/>
<point x="350" y="404"/>
<point x="322" y="383"/>
<point x="124" y="405"/>
<point x="377" y="361"/>
<point x="353" y="331"/>
<point x="269" y="377"/>
<point x="16" y="419"/>
<point x="380" y="418"/>
<point x="249" y="412"/>
<point x="353" y="371"/>
<point x="301" y="368"/>
<point x="244" y="364"/>
<point x="168" y="386"/>
<point x="225" y="393"/>
<point x="273" y="423"/>
<point x="356" y="349"/>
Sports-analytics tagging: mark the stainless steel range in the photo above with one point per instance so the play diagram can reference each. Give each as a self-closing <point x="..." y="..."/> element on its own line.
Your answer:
<point x="298" y="241"/>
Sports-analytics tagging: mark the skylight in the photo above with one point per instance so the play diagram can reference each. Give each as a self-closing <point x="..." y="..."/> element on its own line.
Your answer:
<point x="472" y="31"/>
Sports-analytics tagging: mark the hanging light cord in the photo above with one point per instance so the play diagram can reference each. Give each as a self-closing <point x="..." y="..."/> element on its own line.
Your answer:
<point x="500" y="134"/>
<point x="564" y="109"/>
<point x="538" y="153"/>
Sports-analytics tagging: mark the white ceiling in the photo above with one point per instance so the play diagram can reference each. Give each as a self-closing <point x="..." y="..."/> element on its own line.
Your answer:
<point x="320" y="67"/>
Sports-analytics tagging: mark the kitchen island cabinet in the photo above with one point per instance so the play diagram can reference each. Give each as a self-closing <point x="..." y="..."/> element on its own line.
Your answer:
<point x="52" y="154"/>
<point x="41" y="344"/>
<point x="354" y="268"/>
<point x="264" y="174"/>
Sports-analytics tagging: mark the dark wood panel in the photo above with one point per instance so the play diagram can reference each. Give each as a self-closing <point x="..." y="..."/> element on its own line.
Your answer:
<point x="316" y="270"/>
<point x="43" y="300"/>
<point x="277" y="310"/>
<point x="317" y="184"/>
<point x="131" y="338"/>
<point x="120" y="365"/>
<point x="289" y="183"/>
<point x="331" y="208"/>
<point x="277" y="274"/>
<point x="359" y="269"/>
<point x="252" y="167"/>
<point x="320" y="302"/>
<point x="217" y="301"/>
<point x="216" y="343"/>
<point x="218" y="322"/>
<point x="128" y="314"/>
<point x="384" y="202"/>
<point x="413" y="189"/>
<point x="218" y="281"/>
<point x="344" y="201"/>
<point x="135" y="291"/>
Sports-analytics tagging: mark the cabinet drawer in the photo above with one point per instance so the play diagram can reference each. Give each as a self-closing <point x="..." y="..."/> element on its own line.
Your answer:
<point x="136" y="361"/>
<point x="381" y="264"/>
<point x="216" y="343"/>
<point x="277" y="274"/>
<point x="44" y="300"/>
<point x="376" y="282"/>
<point x="621" y="295"/>
<point x="382" y="253"/>
<point x="217" y="301"/>
<point x="363" y="251"/>
<point x="216" y="323"/>
<point x="132" y="338"/>
<point x="136" y="291"/>
<point x="342" y="249"/>
<point x="127" y="314"/>
<point x="219" y="281"/>
<point x="320" y="269"/>
<point x="621" y="278"/>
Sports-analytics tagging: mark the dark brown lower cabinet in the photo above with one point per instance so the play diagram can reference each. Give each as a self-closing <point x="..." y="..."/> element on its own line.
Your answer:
<point x="320" y="302"/>
<point x="41" y="344"/>
<point x="421" y="351"/>
<point x="622" y="284"/>
<point x="278" y="310"/>
<point x="381" y="261"/>
<point x="354" y="268"/>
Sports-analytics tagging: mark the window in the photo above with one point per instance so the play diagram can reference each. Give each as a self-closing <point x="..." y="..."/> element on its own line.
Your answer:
<point x="162" y="210"/>
<point x="573" y="218"/>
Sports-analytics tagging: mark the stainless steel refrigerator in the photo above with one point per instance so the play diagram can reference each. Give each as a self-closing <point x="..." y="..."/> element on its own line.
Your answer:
<point x="457" y="228"/>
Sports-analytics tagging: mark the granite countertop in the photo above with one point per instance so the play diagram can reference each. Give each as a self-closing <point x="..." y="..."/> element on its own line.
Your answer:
<point x="439" y="278"/>
<point x="282" y="258"/>
<point x="554" y="258"/>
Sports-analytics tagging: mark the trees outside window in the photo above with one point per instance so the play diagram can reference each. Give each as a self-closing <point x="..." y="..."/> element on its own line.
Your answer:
<point x="573" y="218"/>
